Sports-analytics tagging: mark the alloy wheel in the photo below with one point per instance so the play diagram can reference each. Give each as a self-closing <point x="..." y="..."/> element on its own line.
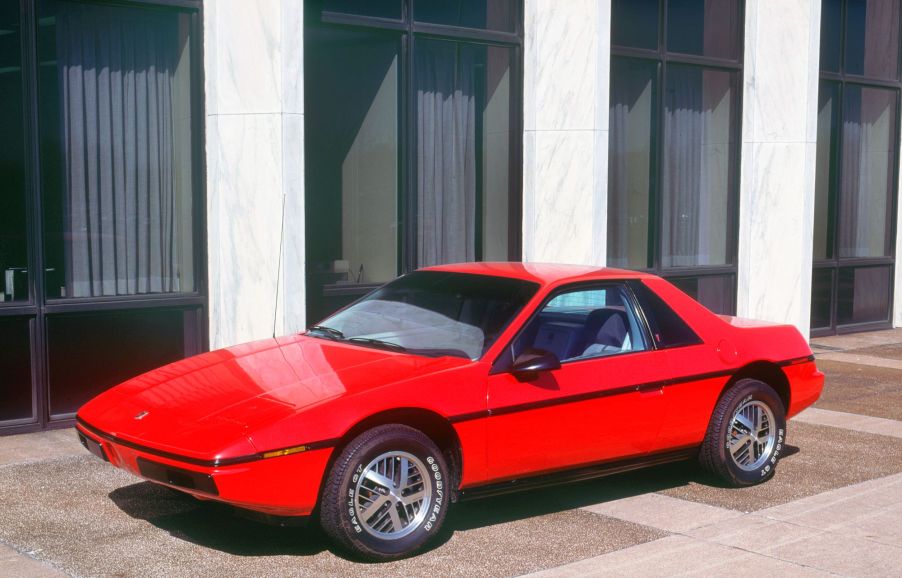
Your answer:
<point x="393" y="495"/>
<point x="752" y="435"/>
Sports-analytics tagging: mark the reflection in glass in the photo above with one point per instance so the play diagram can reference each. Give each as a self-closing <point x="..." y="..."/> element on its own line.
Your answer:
<point x="634" y="23"/>
<point x="868" y="157"/>
<point x="115" y="105"/>
<point x="482" y="14"/>
<point x="863" y="295"/>
<point x="378" y="8"/>
<point x="80" y="348"/>
<point x="821" y="298"/>
<point x="827" y="134"/>
<point x="698" y="136"/>
<point x="352" y="172"/>
<point x="703" y="27"/>
<point x="831" y="34"/>
<point x="463" y="137"/>
<point x="717" y="293"/>
<point x="633" y="102"/>
<point x="13" y="234"/>
<point x="872" y="38"/>
<point x="15" y="369"/>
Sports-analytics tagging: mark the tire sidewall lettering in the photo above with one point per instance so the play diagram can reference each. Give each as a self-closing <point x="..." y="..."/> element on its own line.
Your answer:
<point x="438" y="499"/>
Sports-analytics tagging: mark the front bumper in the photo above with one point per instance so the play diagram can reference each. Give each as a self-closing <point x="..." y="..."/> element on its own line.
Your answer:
<point x="279" y="486"/>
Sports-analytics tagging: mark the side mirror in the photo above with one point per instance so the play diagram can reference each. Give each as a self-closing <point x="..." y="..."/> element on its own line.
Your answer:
<point x="531" y="362"/>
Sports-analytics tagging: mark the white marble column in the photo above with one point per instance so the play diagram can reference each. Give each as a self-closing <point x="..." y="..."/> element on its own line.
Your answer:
<point x="779" y="131"/>
<point x="565" y="160"/>
<point x="253" y="56"/>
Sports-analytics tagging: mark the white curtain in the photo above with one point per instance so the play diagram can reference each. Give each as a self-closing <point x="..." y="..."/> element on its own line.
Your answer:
<point x="682" y="171"/>
<point x="446" y="152"/>
<point x="116" y="70"/>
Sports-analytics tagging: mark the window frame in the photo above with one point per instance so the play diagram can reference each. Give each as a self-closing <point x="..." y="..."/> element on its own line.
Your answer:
<point x="38" y="308"/>
<point x="840" y="80"/>
<point x="409" y="32"/>
<point x="662" y="58"/>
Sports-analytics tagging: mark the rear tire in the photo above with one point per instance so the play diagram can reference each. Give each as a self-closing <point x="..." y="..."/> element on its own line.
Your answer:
<point x="746" y="434"/>
<point x="387" y="494"/>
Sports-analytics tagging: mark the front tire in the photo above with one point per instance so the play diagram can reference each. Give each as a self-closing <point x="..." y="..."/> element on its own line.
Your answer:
<point x="386" y="494"/>
<point x="746" y="435"/>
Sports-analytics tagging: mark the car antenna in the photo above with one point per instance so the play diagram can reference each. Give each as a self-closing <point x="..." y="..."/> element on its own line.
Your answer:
<point x="275" y="307"/>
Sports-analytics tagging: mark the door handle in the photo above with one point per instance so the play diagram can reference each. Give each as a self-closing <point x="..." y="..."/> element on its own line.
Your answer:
<point x="651" y="389"/>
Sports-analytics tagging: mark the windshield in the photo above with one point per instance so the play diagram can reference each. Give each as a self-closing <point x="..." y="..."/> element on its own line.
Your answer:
<point x="431" y="313"/>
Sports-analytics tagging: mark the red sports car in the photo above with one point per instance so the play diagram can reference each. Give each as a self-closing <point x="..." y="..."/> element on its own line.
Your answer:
<point x="455" y="382"/>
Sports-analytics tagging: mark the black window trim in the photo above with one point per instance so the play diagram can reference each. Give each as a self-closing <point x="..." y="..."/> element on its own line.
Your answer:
<point x="39" y="307"/>
<point x="409" y="31"/>
<point x="663" y="58"/>
<point x="834" y="263"/>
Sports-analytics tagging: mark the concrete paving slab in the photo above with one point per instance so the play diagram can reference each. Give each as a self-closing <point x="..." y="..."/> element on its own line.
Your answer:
<point x="859" y="340"/>
<point x="890" y="351"/>
<point x="850" y="531"/>
<point x="818" y="458"/>
<point x="24" y="448"/>
<point x="859" y="359"/>
<point x="663" y="512"/>
<point x="874" y="391"/>
<point x="851" y="421"/>
<point x="679" y="556"/>
<point x="14" y="564"/>
<point x="841" y="554"/>
<point x="871" y="510"/>
<point x="748" y="531"/>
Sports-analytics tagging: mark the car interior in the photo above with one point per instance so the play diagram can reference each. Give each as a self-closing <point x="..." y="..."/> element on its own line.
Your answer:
<point x="583" y="324"/>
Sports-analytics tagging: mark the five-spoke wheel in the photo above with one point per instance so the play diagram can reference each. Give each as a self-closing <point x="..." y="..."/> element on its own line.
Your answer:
<point x="393" y="495"/>
<point x="386" y="494"/>
<point x="746" y="434"/>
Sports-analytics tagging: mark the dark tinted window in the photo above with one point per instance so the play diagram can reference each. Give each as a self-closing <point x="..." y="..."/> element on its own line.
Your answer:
<point x="491" y="15"/>
<point x="716" y="292"/>
<point x="703" y="27"/>
<point x="13" y="245"/>
<point x="434" y="313"/>
<point x="378" y="8"/>
<point x="667" y="329"/>
<point x="831" y="34"/>
<point x="634" y="23"/>
<point x="90" y="353"/>
<point x="872" y="38"/>
<point x="15" y="370"/>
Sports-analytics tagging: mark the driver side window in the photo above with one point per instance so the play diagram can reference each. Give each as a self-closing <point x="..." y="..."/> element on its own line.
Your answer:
<point x="584" y="323"/>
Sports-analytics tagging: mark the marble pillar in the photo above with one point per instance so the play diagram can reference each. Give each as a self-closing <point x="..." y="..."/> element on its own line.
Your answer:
<point x="566" y="70"/>
<point x="253" y="57"/>
<point x="779" y="130"/>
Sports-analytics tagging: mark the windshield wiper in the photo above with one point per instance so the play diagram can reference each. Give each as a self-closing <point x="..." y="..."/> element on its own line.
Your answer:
<point x="377" y="343"/>
<point x="329" y="332"/>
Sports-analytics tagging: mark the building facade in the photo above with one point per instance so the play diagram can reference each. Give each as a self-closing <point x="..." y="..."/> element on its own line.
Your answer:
<point x="189" y="174"/>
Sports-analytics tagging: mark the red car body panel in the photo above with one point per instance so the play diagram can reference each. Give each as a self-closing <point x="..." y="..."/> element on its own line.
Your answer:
<point x="218" y="413"/>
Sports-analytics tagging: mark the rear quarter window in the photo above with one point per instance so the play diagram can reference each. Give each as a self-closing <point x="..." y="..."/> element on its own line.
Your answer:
<point x="667" y="328"/>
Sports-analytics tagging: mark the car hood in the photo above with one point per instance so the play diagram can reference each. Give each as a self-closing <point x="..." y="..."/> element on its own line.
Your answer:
<point x="207" y="406"/>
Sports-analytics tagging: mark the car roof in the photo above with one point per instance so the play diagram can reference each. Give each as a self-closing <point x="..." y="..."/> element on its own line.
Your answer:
<point x="542" y="273"/>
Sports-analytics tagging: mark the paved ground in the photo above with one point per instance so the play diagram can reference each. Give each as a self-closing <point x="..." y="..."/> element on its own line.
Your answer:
<point x="834" y="508"/>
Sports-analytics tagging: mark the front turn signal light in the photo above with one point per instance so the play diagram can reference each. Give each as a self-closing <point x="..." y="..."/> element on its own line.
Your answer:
<point x="284" y="452"/>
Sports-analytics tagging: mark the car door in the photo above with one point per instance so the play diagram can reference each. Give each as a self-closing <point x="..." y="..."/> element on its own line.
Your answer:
<point x="604" y="402"/>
